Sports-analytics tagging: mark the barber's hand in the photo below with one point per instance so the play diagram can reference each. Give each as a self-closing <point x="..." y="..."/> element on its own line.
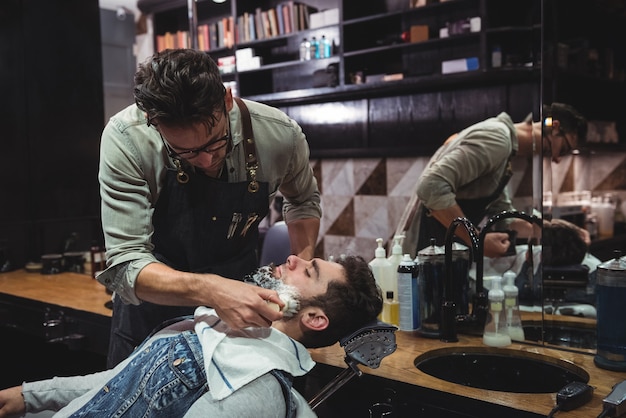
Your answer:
<point x="496" y="244"/>
<point x="12" y="402"/>
<point x="243" y="305"/>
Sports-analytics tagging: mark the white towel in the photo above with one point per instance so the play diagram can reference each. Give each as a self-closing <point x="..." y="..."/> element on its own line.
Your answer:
<point x="235" y="358"/>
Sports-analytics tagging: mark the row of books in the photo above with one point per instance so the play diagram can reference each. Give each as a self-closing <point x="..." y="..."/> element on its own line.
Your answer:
<point x="287" y="17"/>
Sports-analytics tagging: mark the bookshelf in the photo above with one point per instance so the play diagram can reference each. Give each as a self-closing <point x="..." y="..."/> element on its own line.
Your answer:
<point x="371" y="41"/>
<point x="386" y="54"/>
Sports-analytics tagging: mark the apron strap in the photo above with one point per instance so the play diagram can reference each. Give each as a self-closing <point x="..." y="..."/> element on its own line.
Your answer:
<point x="252" y="164"/>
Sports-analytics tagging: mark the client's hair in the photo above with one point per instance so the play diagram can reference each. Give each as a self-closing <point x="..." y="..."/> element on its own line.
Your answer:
<point x="349" y="305"/>
<point x="563" y="244"/>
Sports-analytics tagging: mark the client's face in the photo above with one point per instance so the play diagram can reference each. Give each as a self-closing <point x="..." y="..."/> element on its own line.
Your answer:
<point x="298" y="278"/>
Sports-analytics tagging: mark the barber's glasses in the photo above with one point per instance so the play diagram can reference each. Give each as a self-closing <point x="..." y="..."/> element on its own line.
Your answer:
<point x="566" y="145"/>
<point x="212" y="146"/>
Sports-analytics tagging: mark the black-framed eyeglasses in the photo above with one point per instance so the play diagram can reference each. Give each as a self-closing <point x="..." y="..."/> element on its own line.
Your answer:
<point x="211" y="147"/>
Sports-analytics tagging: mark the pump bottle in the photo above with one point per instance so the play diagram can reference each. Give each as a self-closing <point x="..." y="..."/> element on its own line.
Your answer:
<point x="408" y="294"/>
<point x="382" y="269"/>
<point x="511" y="306"/>
<point x="496" y="333"/>
<point x="395" y="258"/>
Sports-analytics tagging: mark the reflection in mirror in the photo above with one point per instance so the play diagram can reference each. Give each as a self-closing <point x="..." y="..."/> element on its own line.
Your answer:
<point x="583" y="65"/>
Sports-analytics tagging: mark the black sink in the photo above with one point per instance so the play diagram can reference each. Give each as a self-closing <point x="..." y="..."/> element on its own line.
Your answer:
<point x="500" y="369"/>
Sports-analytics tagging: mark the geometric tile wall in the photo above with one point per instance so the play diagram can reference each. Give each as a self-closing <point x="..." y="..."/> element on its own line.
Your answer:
<point x="363" y="198"/>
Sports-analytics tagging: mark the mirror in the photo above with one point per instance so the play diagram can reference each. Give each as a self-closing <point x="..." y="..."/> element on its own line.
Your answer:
<point x="584" y="65"/>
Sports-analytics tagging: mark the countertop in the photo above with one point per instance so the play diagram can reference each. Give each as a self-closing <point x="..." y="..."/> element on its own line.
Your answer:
<point x="69" y="290"/>
<point x="400" y="366"/>
<point x="81" y="292"/>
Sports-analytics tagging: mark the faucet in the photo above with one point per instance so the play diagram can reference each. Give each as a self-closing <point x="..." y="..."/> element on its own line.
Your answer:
<point x="481" y="308"/>
<point x="448" y="305"/>
<point x="474" y="322"/>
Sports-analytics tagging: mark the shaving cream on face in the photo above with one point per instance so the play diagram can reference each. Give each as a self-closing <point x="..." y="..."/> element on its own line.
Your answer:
<point x="264" y="278"/>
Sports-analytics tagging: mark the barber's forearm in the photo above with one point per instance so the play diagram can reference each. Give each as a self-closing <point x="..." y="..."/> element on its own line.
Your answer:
<point x="445" y="218"/>
<point x="161" y="284"/>
<point x="303" y="236"/>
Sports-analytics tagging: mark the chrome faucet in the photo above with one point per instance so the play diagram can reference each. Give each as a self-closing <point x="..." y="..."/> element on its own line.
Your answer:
<point x="473" y="323"/>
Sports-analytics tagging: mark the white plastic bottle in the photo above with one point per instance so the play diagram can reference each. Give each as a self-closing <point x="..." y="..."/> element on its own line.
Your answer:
<point x="408" y="294"/>
<point x="381" y="268"/>
<point x="305" y="50"/>
<point x="395" y="258"/>
<point x="496" y="334"/>
<point x="511" y="306"/>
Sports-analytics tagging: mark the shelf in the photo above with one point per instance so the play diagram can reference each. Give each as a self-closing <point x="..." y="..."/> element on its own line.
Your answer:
<point x="405" y="86"/>
<point x="438" y="42"/>
<point x="370" y="41"/>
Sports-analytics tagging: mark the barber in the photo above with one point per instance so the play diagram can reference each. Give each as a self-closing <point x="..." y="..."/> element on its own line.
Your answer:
<point x="467" y="176"/>
<point x="186" y="175"/>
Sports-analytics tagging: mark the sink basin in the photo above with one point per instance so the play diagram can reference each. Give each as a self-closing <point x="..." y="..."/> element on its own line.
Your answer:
<point x="500" y="369"/>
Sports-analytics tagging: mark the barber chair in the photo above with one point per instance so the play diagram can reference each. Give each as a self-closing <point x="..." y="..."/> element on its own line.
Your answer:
<point x="276" y="247"/>
<point x="367" y="347"/>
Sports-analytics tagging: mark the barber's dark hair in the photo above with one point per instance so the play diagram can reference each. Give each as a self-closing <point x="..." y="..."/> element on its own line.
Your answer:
<point x="571" y="120"/>
<point x="348" y="305"/>
<point x="179" y="87"/>
<point x="562" y="243"/>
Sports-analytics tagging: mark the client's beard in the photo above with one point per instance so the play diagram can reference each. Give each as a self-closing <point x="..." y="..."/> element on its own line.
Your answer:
<point x="288" y="294"/>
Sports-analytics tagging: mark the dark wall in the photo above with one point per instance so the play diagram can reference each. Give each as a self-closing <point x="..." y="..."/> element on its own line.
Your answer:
<point x="51" y="115"/>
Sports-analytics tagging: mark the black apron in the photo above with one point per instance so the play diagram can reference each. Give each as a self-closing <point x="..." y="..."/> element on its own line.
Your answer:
<point x="474" y="210"/>
<point x="203" y="226"/>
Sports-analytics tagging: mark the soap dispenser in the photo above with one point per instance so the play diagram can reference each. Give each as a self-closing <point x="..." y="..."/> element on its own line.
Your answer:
<point x="395" y="258"/>
<point x="496" y="333"/>
<point x="382" y="269"/>
<point x="511" y="306"/>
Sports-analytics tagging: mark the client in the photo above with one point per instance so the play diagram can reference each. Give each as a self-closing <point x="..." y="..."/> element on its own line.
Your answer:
<point x="200" y="367"/>
<point x="563" y="244"/>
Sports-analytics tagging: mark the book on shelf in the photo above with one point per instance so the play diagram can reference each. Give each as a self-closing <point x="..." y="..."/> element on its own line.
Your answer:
<point x="201" y="42"/>
<point x="279" y="18"/>
<point x="258" y="21"/>
<point x="265" y="19"/>
<point x="271" y="14"/>
<point x="286" y="11"/>
<point x="213" y="43"/>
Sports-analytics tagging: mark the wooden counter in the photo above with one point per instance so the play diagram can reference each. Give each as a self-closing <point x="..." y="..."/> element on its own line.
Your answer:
<point x="69" y="290"/>
<point x="82" y="293"/>
<point x="400" y="366"/>
<point x="67" y="308"/>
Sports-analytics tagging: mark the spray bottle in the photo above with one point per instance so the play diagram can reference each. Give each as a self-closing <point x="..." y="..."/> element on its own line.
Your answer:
<point x="395" y="258"/>
<point x="511" y="305"/>
<point x="408" y="294"/>
<point x="496" y="334"/>
<point x="382" y="269"/>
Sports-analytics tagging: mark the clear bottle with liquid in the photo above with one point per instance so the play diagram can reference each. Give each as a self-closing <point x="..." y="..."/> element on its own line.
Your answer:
<point x="511" y="306"/>
<point x="391" y="310"/>
<point x="325" y="47"/>
<point x="315" y="48"/>
<point x="496" y="333"/>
